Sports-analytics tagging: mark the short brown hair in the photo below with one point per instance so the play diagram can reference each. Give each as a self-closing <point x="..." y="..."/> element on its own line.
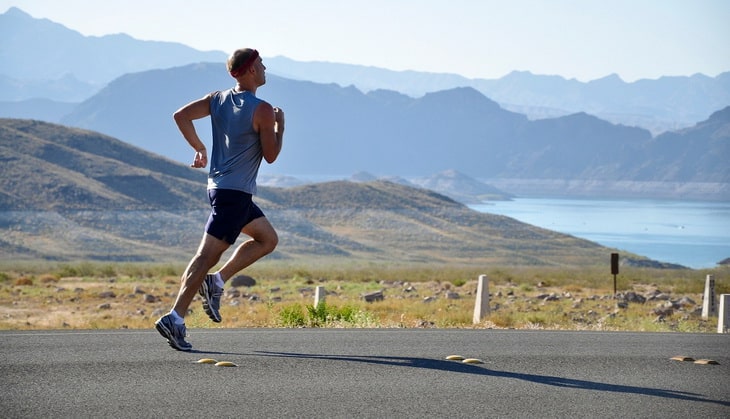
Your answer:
<point x="243" y="57"/>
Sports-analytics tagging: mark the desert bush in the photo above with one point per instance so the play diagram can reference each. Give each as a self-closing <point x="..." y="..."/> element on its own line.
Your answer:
<point x="292" y="316"/>
<point x="459" y="282"/>
<point x="323" y="315"/>
<point x="47" y="278"/>
<point x="24" y="280"/>
<point x="501" y="320"/>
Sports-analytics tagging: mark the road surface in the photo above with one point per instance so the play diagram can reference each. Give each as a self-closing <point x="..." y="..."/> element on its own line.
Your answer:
<point x="353" y="373"/>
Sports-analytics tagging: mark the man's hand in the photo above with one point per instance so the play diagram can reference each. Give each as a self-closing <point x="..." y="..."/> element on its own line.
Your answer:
<point x="279" y="118"/>
<point x="201" y="159"/>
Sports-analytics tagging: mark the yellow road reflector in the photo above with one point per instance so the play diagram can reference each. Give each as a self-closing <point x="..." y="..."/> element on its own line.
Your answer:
<point x="682" y="358"/>
<point x="455" y="358"/>
<point x="472" y="361"/>
<point x="206" y="361"/>
<point x="225" y="364"/>
<point x="707" y="362"/>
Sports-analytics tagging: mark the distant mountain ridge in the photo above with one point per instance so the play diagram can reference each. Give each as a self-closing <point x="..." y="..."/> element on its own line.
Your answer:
<point x="667" y="103"/>
<point x="85" y="64"/>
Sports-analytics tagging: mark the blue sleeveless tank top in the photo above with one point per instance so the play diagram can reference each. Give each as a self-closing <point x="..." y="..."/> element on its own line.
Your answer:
<point x="236" y="154"/>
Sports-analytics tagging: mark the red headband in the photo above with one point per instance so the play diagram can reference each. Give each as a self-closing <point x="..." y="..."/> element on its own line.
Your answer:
<point x="245" y="65"/>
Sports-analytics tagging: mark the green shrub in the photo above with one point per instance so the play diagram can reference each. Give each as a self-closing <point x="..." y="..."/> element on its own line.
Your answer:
<point x="292" y="316"/>
<point x="459" y="282"/>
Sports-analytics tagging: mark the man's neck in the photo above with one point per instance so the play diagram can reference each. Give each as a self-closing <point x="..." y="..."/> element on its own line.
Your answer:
<point x="240" y="87"/>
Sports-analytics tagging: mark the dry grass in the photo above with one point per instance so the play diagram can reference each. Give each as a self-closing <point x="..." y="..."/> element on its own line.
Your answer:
<point x="97" y="296"/>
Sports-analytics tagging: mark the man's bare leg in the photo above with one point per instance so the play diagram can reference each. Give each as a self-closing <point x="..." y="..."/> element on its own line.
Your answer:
<point x="209" y="253"/>
<point x="263" y="241"/>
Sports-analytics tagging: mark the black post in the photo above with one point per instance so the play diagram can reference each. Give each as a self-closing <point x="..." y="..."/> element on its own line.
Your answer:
<point x="614" y="270"/>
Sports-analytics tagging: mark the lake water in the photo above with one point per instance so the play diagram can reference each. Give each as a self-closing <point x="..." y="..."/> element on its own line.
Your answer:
<point x="692" y="234"/>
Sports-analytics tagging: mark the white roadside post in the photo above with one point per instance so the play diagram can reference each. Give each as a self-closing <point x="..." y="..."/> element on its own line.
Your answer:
<point x="481" y="306"/>
<point x="709" y="305"/>
<point x="319" y="294"/>
<point x="723" y="320"/>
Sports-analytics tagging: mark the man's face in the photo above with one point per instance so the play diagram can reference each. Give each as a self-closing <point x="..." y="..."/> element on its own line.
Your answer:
<point x="260" y="69"/>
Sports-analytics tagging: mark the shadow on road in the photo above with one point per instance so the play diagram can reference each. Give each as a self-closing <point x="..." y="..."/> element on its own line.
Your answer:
<point x="452" y="366"/>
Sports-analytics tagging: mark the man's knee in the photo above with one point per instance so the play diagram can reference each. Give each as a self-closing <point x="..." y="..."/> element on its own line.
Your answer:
<point x="211" y="249"/>
<point x="270" y="242"/>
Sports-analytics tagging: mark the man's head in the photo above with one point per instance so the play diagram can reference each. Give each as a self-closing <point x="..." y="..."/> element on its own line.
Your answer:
<point x="241" y="61"/>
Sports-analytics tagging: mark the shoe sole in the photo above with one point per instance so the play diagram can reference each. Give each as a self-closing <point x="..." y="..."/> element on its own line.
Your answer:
<point x="216" y="317"/>
<point x="167" y="334"/>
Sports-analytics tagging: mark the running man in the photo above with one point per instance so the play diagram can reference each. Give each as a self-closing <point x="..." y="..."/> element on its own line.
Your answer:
<point x="246" y="130"/>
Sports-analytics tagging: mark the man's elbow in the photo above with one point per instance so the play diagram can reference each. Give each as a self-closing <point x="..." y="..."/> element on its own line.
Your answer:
<point x="271" y="158"/>
<point x="178" y="116"/>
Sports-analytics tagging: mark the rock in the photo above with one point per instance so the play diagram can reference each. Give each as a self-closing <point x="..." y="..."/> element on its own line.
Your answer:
<point x="242" y="281"/>
<point x="107" y="294"/>
<point x="373" y="296"/>
<point x="657" y="295"/>
<point x="452" y="295"/>
<point x="138" y="290"/>
<point x="149" y="298"/>
<point x="685" y="302"/>
<point x="232" y="293"/>
<point x="105" y="306"/>
<point x="632" y="297"/>
<point x="664" y="309"/>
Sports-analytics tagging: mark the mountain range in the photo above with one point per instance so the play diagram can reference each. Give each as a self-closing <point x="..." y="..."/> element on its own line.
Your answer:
<point x="77" y="66"/>
<point x="447" y="125"/>
<point x="92" y="197"/>
<point x="664" y="104"/>
<point x="337" y="131"/>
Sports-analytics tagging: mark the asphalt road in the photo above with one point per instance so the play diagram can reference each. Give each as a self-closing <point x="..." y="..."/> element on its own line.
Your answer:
<point x="352" y="373"/>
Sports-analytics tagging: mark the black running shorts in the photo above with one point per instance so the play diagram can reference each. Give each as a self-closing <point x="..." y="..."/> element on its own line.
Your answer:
<point x="230" y="211"/>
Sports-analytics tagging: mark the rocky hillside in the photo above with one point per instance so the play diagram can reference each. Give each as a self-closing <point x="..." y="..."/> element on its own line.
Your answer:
<point x="70" y="194"/>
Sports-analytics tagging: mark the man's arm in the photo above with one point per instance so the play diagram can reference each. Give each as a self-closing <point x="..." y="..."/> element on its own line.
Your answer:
<point x="269" y="122"/>
<point x="184" y="118"/>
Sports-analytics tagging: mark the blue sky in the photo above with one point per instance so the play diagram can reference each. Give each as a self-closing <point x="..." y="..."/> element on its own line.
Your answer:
<point x="582" y="39"/>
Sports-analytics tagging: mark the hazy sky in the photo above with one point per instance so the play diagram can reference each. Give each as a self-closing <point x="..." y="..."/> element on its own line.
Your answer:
<point x="582" y="39"/>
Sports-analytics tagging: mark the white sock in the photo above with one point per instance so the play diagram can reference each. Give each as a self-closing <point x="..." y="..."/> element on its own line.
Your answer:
<point x="218" y="279"/>
<point x="178" y="319"/>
